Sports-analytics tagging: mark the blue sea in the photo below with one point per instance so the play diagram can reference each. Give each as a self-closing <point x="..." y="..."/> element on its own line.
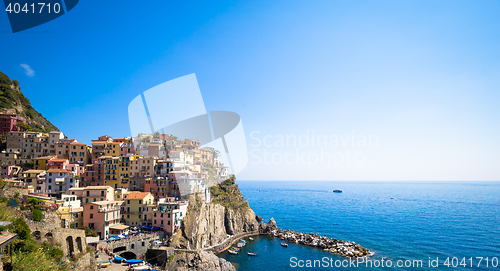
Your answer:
<point x="402" y="222"/>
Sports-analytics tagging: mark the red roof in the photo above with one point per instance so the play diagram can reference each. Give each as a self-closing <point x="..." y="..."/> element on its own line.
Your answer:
<point x="137" y="195"/>
<point x="58" y="160"/>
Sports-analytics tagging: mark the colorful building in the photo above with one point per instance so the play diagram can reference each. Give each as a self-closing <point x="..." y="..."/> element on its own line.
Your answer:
<point x="133" y="209"/>
<point x="169" y="215"/>
<point x="100" y="216"/>
<point x="10" y="123"/>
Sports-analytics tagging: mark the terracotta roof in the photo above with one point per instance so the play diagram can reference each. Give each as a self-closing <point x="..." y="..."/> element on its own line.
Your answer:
<point x="55" y="170"/>
<point x="58" y="160"/>
<point x="115" y="143"/>
<point x="137" y="195"/>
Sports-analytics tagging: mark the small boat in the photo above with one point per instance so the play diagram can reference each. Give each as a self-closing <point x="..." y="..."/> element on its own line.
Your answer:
<point x="118" y="259"/>
<point x="240" y="244"/>
<point x="103" y="265"/>
<point x="134" y="261"/>
<point x="141" y="267"/>
<point x="250" y="238"/>
<point x="243" y="241"/>
<point x="232" y="252"/>
<point x="235" y="249"/>
<point x="337" y="191"/>
<point x="252" y="253"/>
<point x="283" y="244"/>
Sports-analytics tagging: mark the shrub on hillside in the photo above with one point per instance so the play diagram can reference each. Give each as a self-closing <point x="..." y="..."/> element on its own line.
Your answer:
<point x="37" y="215"/>
<point x="90" y="232"/>
<point x="56" y="253"/>
<point x="20" y="227"/>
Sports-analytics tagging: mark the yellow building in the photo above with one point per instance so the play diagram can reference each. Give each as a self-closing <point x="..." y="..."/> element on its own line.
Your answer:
<point x="133" y="210"/>
<point x="113" y="149"/>
<point x="124" y="171"/>
<point x="116" y="171"/>
<point x="40" y="163"/>
<point x="79" y="153"/>
<point x="72" y="217"/>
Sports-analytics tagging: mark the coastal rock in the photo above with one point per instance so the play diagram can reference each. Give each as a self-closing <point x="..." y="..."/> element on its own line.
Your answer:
<point x="204" y="225"/>
<point x="258" y="218"/>
<point x="344" y="248"/>
<point x="271" y="226"/>
<point x="199" y="261"/>
<point x="262" y="225"/>
<point x="209" y="224"/>
<point x="240" y="220"/>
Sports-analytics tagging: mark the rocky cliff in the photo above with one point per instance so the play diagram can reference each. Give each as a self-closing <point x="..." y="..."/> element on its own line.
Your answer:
<point x="199" y="261"/>
<point x="210" y="223"/>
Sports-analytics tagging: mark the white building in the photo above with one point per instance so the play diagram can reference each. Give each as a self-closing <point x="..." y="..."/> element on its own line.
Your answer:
<point x="59" y="181"/>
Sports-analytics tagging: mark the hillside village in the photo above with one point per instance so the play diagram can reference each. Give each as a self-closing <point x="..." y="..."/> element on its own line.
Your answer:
<point x="114" y="186"/>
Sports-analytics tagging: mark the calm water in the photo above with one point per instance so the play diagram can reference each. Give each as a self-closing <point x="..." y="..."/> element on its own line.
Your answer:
<point x="422" y="220"/>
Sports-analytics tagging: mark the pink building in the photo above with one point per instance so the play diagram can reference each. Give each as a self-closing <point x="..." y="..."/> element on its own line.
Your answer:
<point x="102" y="216"/>
<point x="9" y="170"/>
<point x="158" y="187"/>
<point x="77" y="169"/>
<point x="10" y="122"/>
<point x="57" y="163"/>
<point x="169" y="215"/>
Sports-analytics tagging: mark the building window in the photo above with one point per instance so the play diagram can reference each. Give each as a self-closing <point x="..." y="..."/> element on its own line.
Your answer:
<point x="91" y="206"/>
<point x="91" y="216"/>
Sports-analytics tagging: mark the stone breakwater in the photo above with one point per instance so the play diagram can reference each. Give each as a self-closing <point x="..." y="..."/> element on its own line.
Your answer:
<point x="339" y="247"/>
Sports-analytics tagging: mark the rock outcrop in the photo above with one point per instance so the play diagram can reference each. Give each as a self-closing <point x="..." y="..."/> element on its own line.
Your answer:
<point x="271" y="226"/>
<point x="206" y="261"/>
<point x="208" y="224"/>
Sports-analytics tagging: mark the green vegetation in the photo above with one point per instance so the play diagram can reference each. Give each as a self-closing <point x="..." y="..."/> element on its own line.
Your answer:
<point x="37" y="215"/>
<point x="34" y="201"/>
<point x="90" y="232"/>
<point x="27" y="254"/>
<point x="228" y="195"/>
<point x="11" y="96"/>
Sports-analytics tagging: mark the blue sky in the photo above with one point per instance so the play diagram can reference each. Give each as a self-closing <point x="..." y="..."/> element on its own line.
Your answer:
<point x="421" y="76"/>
